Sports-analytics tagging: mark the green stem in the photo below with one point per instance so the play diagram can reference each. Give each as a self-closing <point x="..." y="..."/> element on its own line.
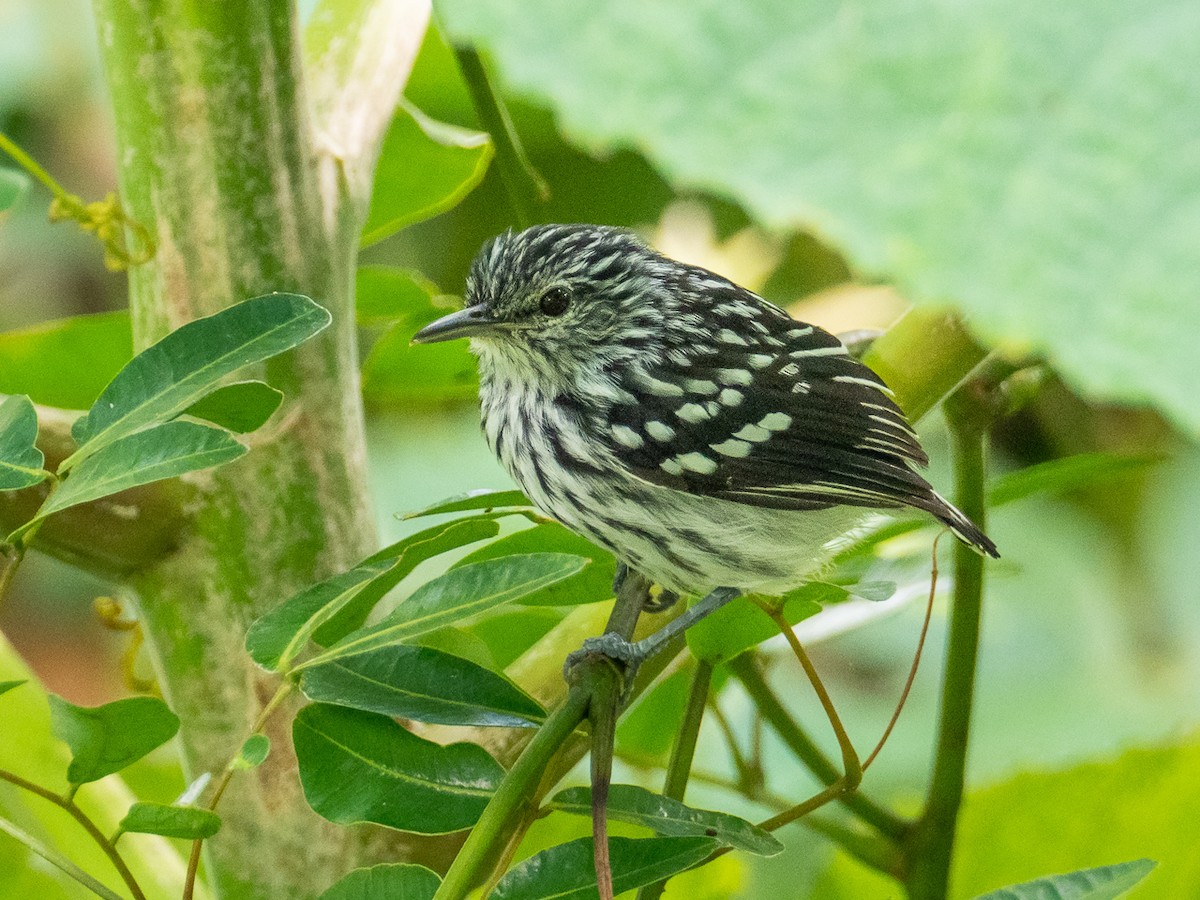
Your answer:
<point x="517" y="796"/>
<point x="931" y="849"/>
<point x="68" y="804"/>
<point x="521" y="180"/>
<point x="683" y="752"/>
<point x="59" y="862"/>
<point x="30" y="165"/>
<point x="806" y="750"/>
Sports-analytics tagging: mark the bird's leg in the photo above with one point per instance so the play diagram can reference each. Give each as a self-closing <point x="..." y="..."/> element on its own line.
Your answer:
<point x="633" y="653"/>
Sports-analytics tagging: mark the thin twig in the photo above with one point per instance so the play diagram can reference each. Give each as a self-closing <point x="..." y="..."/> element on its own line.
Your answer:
<point x="912" y="671"/>
<point x="68" y="804"/>
<point x="57" y="860"/>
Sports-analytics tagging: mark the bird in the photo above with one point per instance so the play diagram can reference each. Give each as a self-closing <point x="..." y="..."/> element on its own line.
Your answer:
<point x="695" y="430"/>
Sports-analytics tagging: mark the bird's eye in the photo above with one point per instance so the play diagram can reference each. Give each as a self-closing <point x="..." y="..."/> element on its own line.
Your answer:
<point x="555" y="301"/>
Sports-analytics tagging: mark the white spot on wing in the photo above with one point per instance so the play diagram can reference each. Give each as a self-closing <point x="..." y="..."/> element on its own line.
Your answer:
<point x="700" y="386"/>
<point x="697" y="462"/>
<point x="752" y="432"/>
<point x="692" y="412"/>
<point x="775" y="421"/>
<point x="729" y="336"/>
<point x="850" y="379"/>
<point x="819" y="351"/>
<point x="625" y="435"/>
<point x="760" y="360"/>
<point x="735" y="376"/>
<point x="730" y="397"/>
<point x="671" y="467"/>
<point x="732" y="447"/>
<point x="660" y="431"/>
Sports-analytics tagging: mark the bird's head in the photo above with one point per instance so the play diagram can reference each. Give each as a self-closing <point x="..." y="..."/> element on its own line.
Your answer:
<point x="555" y="300"/>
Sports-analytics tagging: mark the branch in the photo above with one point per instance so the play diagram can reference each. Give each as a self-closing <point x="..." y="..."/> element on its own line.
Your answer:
<point x="115" y="536"/>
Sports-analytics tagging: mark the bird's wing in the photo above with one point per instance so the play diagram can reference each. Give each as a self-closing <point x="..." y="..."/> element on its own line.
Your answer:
<point x="767" y="411"/>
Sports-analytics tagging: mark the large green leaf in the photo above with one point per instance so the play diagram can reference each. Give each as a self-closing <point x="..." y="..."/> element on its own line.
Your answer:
<point x="106" y="739"/>
<point x="425" y="167"/>
<point x="424" y="684"/>
<point x="566" y="872"/>
<point x="384" y="294"/>
<point x="20" y="461"/>
<point x="163" y="451"/>
<point x="190" y="362"/>
<point x="397" y="372"/>
<point x="1104" y="883"/>
<point x="591" y="585"/>
<point x="184" y="822"/>
<point x="361" y="767"/>
<point x="1019" y="158"/>
<point x="66" y="362"/>
<point x="485" y="499"/>
<point x="458" y="595"/>
<point x="1059" y="475"/>
<point x="388" y="881"/>
<point x="638" y="806"/>
<point x="1144" y="803"/>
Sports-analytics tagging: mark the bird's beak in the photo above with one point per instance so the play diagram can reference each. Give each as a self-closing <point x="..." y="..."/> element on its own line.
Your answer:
<point x="473" y="320"/>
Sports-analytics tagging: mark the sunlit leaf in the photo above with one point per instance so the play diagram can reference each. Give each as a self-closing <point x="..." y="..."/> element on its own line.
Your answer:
<point x="362" y="767"/>
<point x="423" y="684"/>
<point x="481" y="499"/>
<point x="190" y="362"/>
<point x="424" y="168"/>
<point x="184" y="822"/>
<point x="591" y="585"/>
<point x="670" y="818"/>
<point x="389" y="881"/>
<point x="20" y="461"/>
<point x="510" y="632"/>
<point x="242" y="407"/>
<point x="164" y="451"/>
<point x="66" y="362"/>
<point x="456" y="596"/>
<point x="105" y="739"/>
<point x="566" y="872"/>
<point x="6" y="686"/>
<point x="1103" y="883"/>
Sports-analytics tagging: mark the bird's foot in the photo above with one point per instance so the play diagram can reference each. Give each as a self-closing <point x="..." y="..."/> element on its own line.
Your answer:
<point x="664" y="601"/>
<point x="627" y="656"/>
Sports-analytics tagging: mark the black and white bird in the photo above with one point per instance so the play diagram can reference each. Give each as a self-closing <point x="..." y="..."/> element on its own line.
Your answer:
<point x="698" y="432"/>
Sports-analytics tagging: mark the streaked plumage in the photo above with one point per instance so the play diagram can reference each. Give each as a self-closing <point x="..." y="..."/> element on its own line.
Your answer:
<point x="697" y="431"/>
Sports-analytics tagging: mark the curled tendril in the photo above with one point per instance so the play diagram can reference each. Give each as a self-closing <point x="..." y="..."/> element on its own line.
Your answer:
<point x="112" y="617"/>
<point x="126" y="241"/>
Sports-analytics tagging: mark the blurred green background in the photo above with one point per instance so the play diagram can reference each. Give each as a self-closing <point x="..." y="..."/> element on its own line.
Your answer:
<point x="1085" y="748"/>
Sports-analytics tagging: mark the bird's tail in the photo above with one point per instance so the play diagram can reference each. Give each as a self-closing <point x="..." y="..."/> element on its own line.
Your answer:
<point x="964" y="529"/>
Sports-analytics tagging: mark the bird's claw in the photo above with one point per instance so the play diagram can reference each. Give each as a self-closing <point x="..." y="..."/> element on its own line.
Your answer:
<point x="625" y="655"/>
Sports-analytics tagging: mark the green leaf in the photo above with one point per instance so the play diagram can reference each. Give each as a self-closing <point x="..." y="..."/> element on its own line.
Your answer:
<point x="397" y="372"/>
<point x="591" y="585"/>
<point x="670" y="818"/>
<point x="190" y="362"/>
<point x="1104" y="883"/>
<point x="875" y="591"/>
<point x="105" y="739"/>
<point x="566" y="872"/>
<point x="485" y="499"/>
<point x="20" y="461"/>
<point x="253" y="753"/>
<point x="384" y="294"/>
<point x="1059" y="475"/>
<point x="425" y="167"/>
<point x="362" y="767"/>
<point x="66" y="362"/>
<point x="242" y="407"/>
<point x="164" y="451"/>
<point x="277" y="638"/>
<point x="184" y="822"/>
<point x="424" y="684"/>
<point x="6" y="686"/>
<point x="389" y="881"/>
<point x="955" y="150"/>
<point x="740" y="625"/>
<point x="333" y="608"/>
<point x="457" y="595"/>
<point x="13" y="185"/>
